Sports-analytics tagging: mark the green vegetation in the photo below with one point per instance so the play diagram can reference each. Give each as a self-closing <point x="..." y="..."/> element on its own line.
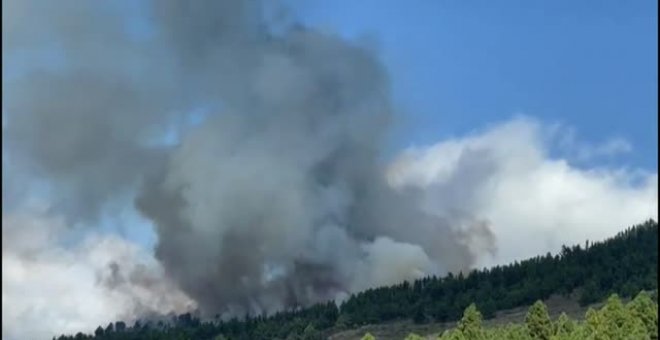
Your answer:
<point x="623" y="265"/>
<point x="637" y="320"/>
<point x="368" y="336"/>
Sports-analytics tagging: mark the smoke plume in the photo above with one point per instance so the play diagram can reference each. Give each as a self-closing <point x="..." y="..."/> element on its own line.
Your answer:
<point x="274" y="197"/>
<point x="49" y="289"/>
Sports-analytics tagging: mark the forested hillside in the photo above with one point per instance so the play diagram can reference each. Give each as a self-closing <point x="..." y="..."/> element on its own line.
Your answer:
<point x="637" y="320"/>
<point x="623" y="265"/>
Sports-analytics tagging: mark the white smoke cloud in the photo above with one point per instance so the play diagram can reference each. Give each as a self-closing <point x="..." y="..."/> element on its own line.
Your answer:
<point x="49" y="288"/>
<point x="388" y="261"/>
<point x="576" y="150"/>
<point x="534" y="202"/>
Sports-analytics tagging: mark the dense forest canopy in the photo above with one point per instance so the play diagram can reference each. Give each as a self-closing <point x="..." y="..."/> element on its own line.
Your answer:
<point x="624" y="265"/>
<point x="637" y="319"/>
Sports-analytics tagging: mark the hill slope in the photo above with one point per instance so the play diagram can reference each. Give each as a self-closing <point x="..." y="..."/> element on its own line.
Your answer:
<point x="613" y="319"/>
<point x="556" y="305"/>
<point x="624" y="264"/>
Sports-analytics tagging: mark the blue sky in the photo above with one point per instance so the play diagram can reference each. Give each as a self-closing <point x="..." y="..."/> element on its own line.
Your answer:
<point x="458" y="66"/>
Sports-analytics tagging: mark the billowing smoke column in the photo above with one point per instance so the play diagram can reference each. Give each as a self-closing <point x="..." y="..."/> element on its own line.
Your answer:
<point x="276" y="198"/>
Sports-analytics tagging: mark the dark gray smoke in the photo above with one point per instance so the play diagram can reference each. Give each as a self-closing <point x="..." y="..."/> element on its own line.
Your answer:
<point x="277" y="198"/>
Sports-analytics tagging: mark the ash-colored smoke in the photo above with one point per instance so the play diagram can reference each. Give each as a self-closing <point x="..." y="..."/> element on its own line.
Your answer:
<point x="276" y="199"/>
<point x="49" y="289"/>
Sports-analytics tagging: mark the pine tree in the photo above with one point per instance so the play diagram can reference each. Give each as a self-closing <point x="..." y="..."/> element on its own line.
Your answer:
<point x="419" y="317"/>
<point x="538" y="321"/>
<point x="310" y="333"/>
<point x="594" y="324"/>
<point x="368" y="336"/>
<point x="343" y="321"/>
<point x="99" y="331"/>
<point x="564" y="326"/>
<point x="453" y="334"/>
<point x="644" y="309"/>
<point x="618" y="323"/>
<point x="470" y="324"/>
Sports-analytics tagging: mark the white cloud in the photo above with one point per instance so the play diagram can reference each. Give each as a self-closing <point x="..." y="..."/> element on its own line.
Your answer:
<point x="574" y="149"/>
<point x="533" y="202"/>
<point x="49" y="289"/>
<point x="389" y="262"/>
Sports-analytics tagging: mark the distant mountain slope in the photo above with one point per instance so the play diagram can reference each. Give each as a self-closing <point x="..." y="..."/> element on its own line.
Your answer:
<point x="556" y="319"/>
<point x="556" y="305"/>
<point x="624" y="264"/>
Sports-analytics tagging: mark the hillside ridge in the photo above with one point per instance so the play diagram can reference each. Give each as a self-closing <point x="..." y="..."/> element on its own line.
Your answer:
<point x="624" y="264"/>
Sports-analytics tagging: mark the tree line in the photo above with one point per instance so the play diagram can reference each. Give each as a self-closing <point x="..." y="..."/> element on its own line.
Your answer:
<point x="637" y="320"/>
<point x="623" y="265"/>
